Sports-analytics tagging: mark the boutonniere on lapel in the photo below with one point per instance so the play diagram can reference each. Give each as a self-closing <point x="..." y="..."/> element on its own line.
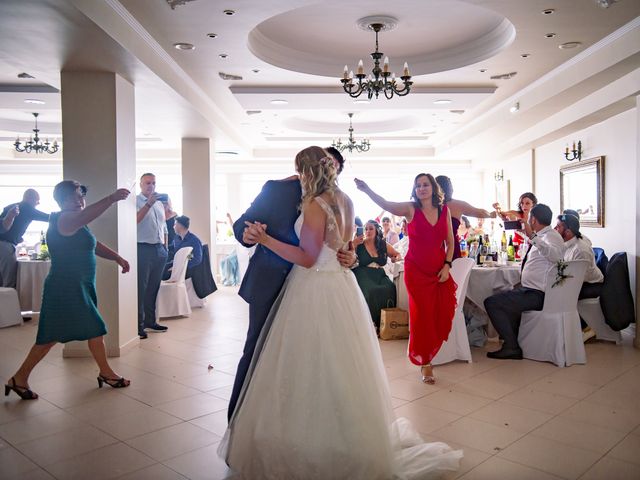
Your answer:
<point x="561" y="276"/>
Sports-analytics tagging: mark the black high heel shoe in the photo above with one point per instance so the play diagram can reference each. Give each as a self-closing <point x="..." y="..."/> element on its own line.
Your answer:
<point x="23" y="392"/>
<point x="112" y="382"/>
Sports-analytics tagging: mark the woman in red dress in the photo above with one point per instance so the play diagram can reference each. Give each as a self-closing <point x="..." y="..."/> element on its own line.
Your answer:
<point x="432" y="292"/>
<point x="526" y="202"/>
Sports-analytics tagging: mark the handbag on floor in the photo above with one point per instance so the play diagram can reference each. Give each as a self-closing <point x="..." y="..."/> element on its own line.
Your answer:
<point x="394" y="324"/>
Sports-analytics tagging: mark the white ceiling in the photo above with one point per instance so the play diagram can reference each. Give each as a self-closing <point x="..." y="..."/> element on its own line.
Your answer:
<point x="299" y="49"/>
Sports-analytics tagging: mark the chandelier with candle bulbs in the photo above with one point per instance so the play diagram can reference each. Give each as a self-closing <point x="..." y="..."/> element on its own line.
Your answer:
<point x="380" y="80"/>
<point x="351" y="144"/>
<point x="34" y="144"/>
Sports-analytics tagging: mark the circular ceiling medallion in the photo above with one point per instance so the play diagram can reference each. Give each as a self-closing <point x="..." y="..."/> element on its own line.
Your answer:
<point x="431" y="36"/>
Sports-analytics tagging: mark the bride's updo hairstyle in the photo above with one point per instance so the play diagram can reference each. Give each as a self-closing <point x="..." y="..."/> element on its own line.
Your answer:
<point x="317" y="171"/>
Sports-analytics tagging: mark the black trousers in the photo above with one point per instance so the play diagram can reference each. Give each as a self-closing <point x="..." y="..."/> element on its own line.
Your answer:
<point x="505" y="311"/>
<point x="151" y="260"/>
<point x="257" y="316"/>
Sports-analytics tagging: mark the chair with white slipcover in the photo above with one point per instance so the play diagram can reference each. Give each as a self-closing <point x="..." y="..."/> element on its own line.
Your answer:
<point x="457" y="345"/>
<point x="173" y="300"/>
<point x="553" y="334"/>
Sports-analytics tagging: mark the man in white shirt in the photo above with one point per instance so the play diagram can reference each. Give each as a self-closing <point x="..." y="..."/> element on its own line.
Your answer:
<point x="505" y="309"/>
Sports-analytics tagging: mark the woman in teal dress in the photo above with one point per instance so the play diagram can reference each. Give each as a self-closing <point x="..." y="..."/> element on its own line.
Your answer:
<point x="69" y="304"/>
<point x="372" y="252"/>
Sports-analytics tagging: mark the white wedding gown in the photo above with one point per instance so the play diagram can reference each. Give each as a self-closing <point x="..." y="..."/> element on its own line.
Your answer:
<point x="317" y="404"/>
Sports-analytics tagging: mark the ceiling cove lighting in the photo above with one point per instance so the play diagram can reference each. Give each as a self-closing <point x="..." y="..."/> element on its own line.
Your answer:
<point x="380" y="80"/>
<point x="34" y="144"/>
<point x="351" y="144"/>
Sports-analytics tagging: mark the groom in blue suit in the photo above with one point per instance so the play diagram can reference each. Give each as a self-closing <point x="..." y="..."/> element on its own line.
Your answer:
<point x="276" y="207"/>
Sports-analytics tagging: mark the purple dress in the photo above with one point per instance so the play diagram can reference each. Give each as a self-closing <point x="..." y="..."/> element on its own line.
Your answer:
<point x="455" y="223"/>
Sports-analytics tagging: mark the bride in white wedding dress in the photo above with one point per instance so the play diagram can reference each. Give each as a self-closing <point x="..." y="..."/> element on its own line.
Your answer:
<point x="316" y="402"/>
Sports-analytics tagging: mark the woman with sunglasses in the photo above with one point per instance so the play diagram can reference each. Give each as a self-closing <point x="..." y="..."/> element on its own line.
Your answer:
<point x="69" y="304"/>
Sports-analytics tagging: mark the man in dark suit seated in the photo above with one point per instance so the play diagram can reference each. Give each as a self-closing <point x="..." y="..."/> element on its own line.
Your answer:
<point x="276" y="207"/>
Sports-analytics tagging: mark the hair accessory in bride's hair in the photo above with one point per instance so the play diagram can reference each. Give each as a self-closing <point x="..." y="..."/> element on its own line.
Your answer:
<point x="327" y="161"/>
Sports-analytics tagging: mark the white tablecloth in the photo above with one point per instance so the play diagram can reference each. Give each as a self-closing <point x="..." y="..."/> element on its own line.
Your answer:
<point x="31" y="275"/>
<point x="487" y="281"/>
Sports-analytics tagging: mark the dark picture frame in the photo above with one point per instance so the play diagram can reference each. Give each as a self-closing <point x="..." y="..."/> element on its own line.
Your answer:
<point x="582" y="189"/>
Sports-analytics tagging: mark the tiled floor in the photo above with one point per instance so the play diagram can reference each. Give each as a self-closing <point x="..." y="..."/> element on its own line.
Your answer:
<point x="513" y="419"/>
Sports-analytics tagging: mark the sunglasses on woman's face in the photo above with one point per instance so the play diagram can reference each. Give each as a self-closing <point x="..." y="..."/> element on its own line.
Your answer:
<point x="83" y="190"/>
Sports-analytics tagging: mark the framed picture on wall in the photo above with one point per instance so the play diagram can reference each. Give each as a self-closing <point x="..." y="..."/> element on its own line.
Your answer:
<point x="582" y="189"/>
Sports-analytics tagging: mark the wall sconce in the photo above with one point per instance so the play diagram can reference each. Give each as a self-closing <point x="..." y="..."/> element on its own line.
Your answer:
<point x="576" y="154"/>
<point x="498" y="176"/>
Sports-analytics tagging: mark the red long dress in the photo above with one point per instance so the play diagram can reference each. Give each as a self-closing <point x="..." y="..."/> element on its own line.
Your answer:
<point x="431" y="304"/>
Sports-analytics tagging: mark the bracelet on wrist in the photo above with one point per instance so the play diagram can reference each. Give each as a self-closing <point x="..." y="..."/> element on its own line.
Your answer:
<point x="448" y="262"/>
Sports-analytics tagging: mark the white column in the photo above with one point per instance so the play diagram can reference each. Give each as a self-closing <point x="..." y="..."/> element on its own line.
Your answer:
<point x="197" y="190"/>
<point x="98" y="127"/>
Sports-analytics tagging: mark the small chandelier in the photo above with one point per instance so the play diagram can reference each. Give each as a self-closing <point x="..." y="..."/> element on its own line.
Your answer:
<point x="34" y="143"/>
<point x="351" y="145"/>
<point x="381" y="80"/>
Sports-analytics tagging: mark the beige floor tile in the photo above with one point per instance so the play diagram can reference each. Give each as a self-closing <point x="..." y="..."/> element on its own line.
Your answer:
<point x="222" y="392"/>
<point x="486" y="387"/>
<point x="590" y="373"/>
<point x="112" y="461"/>
<point x="37" y="474"/>
<point x="13" y="408"/>
<point x="603" y="416"/>
<point x="173" y="441"/>
<point x="64" y="445"/>
<point x="540" y="401"/>
<point x="425" y="419"/>
<point x="612" y="469"/>
<point x="214" y="422"/>
<point x="396" y="402"/>
<point x="201" y="464"/>
<point x="195" y="406"/>
<point x="564" y="387"/>
<point x="505" y="415"/>
<point x="134" y="424"/>
<point x="497" y="467"/>
<point x="30" y="428"/>
<point x="579" y="434"/>
<point x="209" y="381"/>
<point x="159" y="391"/>
<point x="112" y="405"/>
<point x="411" y="390"/>
<point x="154" y="472"/>
<point x="616" y="398"/>
<point x="454" y="402"/>
<point x="628" y="449"/>
<point x="550" y="456"/>
<point x="479" y="435"/>
<point x="14" y="464"/>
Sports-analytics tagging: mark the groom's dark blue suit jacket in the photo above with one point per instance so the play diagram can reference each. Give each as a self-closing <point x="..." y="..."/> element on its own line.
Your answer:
<point x="277" y="207"/>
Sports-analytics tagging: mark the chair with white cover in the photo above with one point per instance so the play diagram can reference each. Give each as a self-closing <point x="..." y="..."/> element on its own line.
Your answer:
<point x="553" y="334"/>
<point x="173" y="300"/>
<point x="591" y="312"/>
<point x="457" y="345"/>
<point x="9" y="308"/>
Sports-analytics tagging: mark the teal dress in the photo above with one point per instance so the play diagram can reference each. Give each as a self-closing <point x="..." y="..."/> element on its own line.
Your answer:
<point x="69" y="303"/>
<point x="378" y="290"/>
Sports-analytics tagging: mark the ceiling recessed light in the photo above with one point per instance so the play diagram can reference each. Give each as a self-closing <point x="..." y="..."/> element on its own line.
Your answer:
<point x="34" y="101"/>
<point x="482" y="70"/>
<point x="229" y="12"/>
<point x="442" y="102"/>
<point x="25" y="75"/>
<point x="256" y="70"/>
<point x="361" y="101"/>
<point x="525" y="55"/>
<point x="254" y="112"/>
<point x="550" y="35"/>
<point x="279" y="101"/>
<point x="568" y="45"/>
<point x="223" y="55"/>
<point x="184" y="46"/>
<point x="457" y="112"/>
<point x="515" y="107"/>
<point x="212" y="35"/>
<point x="548" y="11"/>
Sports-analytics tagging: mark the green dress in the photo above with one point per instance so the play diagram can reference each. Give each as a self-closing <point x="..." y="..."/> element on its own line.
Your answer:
<point x="378" y="290"/>
<point x="69" y="303"/>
